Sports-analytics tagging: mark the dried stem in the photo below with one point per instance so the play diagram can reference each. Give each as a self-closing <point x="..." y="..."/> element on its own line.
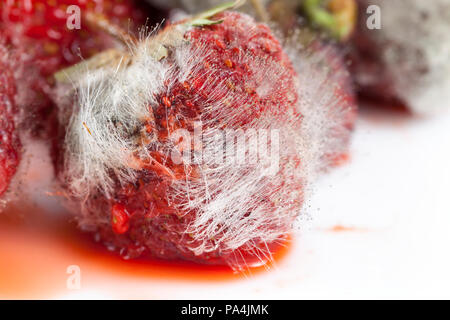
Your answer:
<point x="260" y="10"/>
<point x="101" y="22"/>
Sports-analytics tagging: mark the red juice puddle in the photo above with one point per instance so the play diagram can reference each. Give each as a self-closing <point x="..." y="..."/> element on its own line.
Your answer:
<point x="37" y="249"/>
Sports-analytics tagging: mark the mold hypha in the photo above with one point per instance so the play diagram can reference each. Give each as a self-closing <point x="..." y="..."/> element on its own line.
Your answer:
<point x="194" y="6"/>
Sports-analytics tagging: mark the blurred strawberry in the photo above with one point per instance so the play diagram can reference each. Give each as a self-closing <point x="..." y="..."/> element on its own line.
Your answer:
<point x="406" y="57"/>
<point x="50" y="35"/>
<point x="9" y="140"/>
<point x="342" y="109"/>
<point x="322" y="29"/>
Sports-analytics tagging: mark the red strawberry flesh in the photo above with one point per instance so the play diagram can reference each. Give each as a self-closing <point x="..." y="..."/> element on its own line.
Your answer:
<point x="9" y="141"/>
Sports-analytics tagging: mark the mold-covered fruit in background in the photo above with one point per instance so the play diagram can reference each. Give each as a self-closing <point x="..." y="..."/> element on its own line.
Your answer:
<point x="408" y="58"/>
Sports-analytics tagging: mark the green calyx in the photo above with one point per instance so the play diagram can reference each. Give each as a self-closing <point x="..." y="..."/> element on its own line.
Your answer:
<point x="204" y="18"/>
<point x="204" y="22"/>
<point x="337" y="17"/>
